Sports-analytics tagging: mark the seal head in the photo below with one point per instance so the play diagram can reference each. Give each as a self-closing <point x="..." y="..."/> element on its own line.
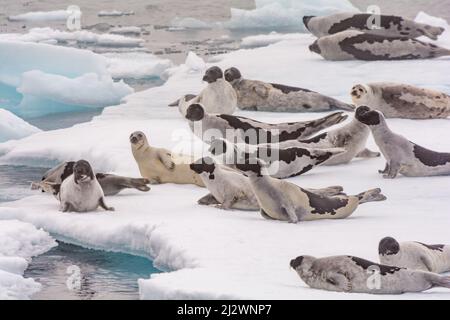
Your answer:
<point x="388" y="246"/>
<point x="82" y="172"/>
<point x="195" y="112"/>
<point x="232" y="74"/>
<point x="213" y="74"/>
<point x="368" y="116"/>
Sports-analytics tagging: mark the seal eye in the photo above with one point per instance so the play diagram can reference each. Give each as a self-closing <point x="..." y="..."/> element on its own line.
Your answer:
<point x="140" y="135"/>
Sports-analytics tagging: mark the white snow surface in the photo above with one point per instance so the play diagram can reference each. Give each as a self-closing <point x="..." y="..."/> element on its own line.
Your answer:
<point x="13" y="127"/>
<point x="212" y="253"/>
<point x="263" y="40"/>
<point x="19" y="242"/>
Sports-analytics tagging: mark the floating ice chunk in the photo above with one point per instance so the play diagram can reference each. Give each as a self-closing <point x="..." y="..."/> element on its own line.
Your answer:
<point x="194" y="62"/>
<point x="52" y="36"/>
<point x="191" y="23"/>
<point x="126" y="30"/>
<point x="263" y="40"/>
<point x="13" y="127"/>
<point x="19" y="241"/>
<point x="136" y="65"/>
<point x="19" y="57"/>
<point x="57" y="15"/>
<point x="89" y="90"/>
<point x="114" y="13"/>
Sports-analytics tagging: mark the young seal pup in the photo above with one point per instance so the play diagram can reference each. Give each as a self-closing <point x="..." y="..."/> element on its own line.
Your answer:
<point x="110" y="183"/>
<point x="285" y="201"/>
<point x="389" y="26"/>
<point x="218" y="97"/>
<point x="353" y="274"/>
<point x="415" y="255"/>
<point x="81" y="192"/>
<point x="263" y="96"/>
<point x="281" y="163"/>
<point x="251" y="131"/>
<point x="402" y="156"/>
<point x="398" y="100"/>
<point x="231" y="189"/>
<point x="352" y="138"/>
<point x="357" y="45"/>
<point x="160" y="165"/>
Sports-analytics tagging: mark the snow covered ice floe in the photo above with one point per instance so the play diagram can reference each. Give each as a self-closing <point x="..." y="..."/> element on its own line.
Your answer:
<point x="13" y="127"/>
<point x="211" y="253"/>
<point x="263" y="40"/>
<point x="19" y="242"/>
<point x="114" y="13"/>
<point x="56" y="15"/>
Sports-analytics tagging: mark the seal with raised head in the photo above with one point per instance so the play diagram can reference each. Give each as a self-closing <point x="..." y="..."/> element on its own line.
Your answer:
<point x="357" y="45"/>
<point x="352" y="138"/>
<point x="218" y="96"/>
<point x="357" y="275"/>
<point x="160" y="165"/>
<point x="414" y="255"/>
<point x="206" y="125"/>
<point x="81" y="192"/>
<point x="285" y="201"/>
<point x="402" y="156"/>
<point x="398" y="100"/>
<point x="231" y="189"/>
<point x="263" y="96"/>
<point x="280" y="163"/>
<point x="389" y="25"/>
<point x="111" y="184"/>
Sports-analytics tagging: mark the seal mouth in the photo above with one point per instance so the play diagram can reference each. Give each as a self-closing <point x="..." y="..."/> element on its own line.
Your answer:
<point x="134" y="140"/>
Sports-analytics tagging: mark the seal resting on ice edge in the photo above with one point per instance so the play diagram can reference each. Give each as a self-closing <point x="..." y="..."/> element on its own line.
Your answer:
<point x="160" y="165"/>
<point x="398" y="100"/>
<point x="352" y="137"/>
<point x="353" y="274"/>
<point x="357" y="45"/>
<point x="414" y="255"/>
<point x="218" y="97"/>
<point x="203" y="123"/>
<point x="281" y="163"/>
<point x="285" y="201"/>
<point x="111" y="184"/>
<point x="81" y="192"/>
<point x="390" y="26"/>
<point x="263" y="96"/>
<point x="402" y="156"/>
<point x="231" y="189"/>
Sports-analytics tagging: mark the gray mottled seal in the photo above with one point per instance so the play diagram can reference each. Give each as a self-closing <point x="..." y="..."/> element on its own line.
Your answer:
<point x="414" y="255"/>
<point x="353" y="274"/>
<point x="110" y="183"/>
<point x="285" y="201"/>
<point x="398" y="100"/>
<point x="389" y="26"/>
<point x="352" y="138"/>
<point x="81" y="192"/>
<point x="402" y="156"/>
<point x="263" y="96"/>
<point x="160" y="165"/>
<point x="218" y="96"/>
<point x="280" y="163"/>
<point x="231" y="189"/>
<point x="351" y="45"/>
<point x="251" y="131"/>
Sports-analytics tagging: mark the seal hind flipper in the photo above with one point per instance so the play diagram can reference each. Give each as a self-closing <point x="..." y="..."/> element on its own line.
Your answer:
<point x="208" y="200"/>
<point x="371" y="196"/>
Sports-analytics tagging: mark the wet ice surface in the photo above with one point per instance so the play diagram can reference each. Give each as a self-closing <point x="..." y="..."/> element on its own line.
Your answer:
<point x="104" y="275"/>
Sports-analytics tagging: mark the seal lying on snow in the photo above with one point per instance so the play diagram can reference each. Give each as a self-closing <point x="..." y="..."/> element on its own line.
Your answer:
<point x="402" y="156"/>
<point x="218" y="97"/>
<point x="285" y="201"/>
<point x="262" y="96"/>
<point x="160" y="165"/>
<point x="351" y="45"/>
<point x="111" y="184"/>
<point x="81" y="192"/>
<point x="389" y="26"/>
<point x="398" y="100"/>
<point x="415" y="255"/>
<point x="351" y="137"/>
<point x="281" y="163"/>
<point x="231" y="189"/>
<point x="206" y="126"/>
<point x="353" y="274"/>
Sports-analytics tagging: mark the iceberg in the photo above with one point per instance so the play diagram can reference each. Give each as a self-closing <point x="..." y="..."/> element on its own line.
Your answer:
<point x="13" y="127"/>
<point x="19" y="242"/>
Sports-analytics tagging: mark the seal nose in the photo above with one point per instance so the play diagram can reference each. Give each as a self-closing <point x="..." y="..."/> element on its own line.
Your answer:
<point x="134" y="139"/>
<point x="205" y="78"/>
<point x="296" y="262"/>
<point x="354" y="93"/>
